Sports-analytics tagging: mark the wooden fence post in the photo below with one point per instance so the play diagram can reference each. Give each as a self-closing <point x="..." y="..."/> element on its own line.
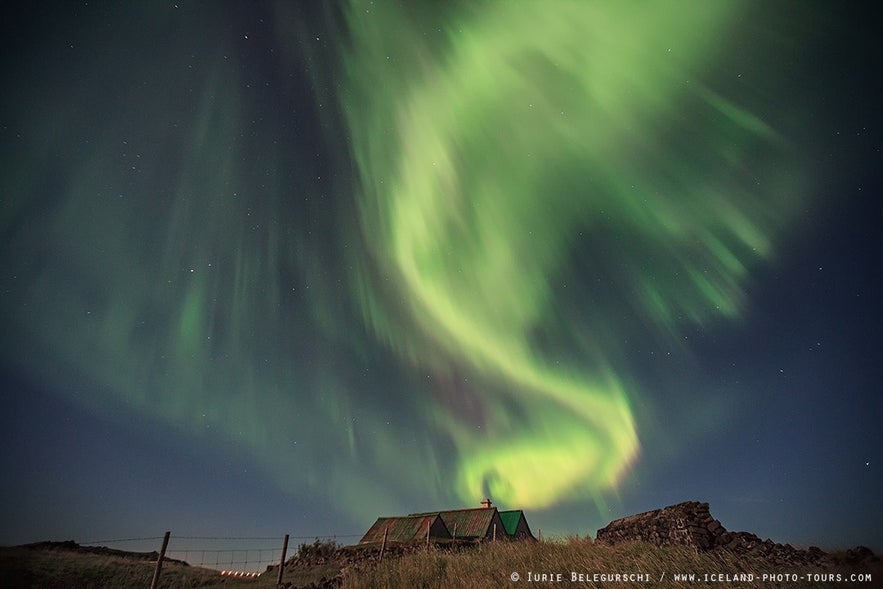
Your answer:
<point x="383" y="544"/>
<point x="427" y="537"/>
<point x="162" y="553"/>
<point x="282" y="562"/>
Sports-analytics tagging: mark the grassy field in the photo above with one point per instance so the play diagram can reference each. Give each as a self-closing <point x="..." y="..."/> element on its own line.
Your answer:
<point x="496" y="565"/>
<point x="29" y="568"/>
<point x="486" y="565"/>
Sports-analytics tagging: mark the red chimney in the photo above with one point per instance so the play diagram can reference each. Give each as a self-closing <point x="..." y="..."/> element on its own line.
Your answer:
<point x="486" y="503"/>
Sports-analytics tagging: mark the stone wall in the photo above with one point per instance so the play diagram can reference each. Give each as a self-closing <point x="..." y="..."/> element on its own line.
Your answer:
<point x="691" y="524"/>
<point x="688" y="524"/>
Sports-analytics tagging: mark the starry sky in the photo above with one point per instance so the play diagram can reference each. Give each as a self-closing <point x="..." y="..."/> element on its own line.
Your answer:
<point x="286" y="267"/>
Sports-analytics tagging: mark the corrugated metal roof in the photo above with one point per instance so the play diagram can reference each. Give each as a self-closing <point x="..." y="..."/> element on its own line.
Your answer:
<point x="468" y="523"/>
<point x="406" y="529"/>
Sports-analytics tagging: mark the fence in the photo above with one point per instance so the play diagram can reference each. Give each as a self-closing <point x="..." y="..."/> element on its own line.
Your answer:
<point x="236" y="556"/>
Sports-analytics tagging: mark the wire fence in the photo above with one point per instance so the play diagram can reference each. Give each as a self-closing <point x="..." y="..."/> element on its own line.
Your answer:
<point x="231" y="555"/>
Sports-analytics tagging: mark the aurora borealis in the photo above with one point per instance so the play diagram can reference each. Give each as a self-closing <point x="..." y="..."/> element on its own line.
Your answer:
<point x="415" y="254"/>
<point x="496" y="158"/>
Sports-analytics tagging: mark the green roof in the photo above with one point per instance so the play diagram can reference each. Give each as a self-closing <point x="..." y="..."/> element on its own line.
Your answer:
<point x="510" y="520"/>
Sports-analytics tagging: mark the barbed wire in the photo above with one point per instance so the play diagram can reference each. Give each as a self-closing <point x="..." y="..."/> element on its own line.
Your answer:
<point x="219" y="558"/>
<point x="119" y="540"/>
<point x="221" y="538"/>
<point x="331" y="536"/>
<point x="230" y="561"/>
<point x="238" y="557"/>
<point x="200" y="549"/>
<point x="227" y="537"/>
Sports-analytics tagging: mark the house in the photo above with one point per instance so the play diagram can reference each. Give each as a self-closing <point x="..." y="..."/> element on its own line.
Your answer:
<point x="484" y="523"/>
<point x="407" y="529"/>
<point x="480" y="523"/>
<point x="472" y="524"/>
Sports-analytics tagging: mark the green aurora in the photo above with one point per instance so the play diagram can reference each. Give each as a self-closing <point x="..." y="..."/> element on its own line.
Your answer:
<point x="489" y="157"/>
<point x="523" y="190"/>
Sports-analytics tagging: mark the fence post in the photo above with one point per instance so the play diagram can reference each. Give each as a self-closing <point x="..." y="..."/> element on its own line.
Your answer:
<point x="162" y="553"/>
<point x="282" y="562"/>
<point x="383" y="544"/>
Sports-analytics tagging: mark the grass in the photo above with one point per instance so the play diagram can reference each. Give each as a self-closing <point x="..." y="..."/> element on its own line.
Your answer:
<point x="492" y="565"/>
<point x="485" y="565"/>
<point x="28" y="568"/>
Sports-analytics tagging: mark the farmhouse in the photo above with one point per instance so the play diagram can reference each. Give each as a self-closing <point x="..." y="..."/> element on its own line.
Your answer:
<point x="481" y="523"/>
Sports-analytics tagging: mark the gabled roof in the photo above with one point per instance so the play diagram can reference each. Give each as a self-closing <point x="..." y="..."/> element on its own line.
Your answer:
<point x="516" y="524"/>
<point x="406" y="529"/>
<point x="468" y="523"/>
<point x="510" y="520"/>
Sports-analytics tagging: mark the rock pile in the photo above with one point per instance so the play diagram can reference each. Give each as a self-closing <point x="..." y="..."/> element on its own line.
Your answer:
<point x="691" y="524"/>
<point x="688" y="524"/>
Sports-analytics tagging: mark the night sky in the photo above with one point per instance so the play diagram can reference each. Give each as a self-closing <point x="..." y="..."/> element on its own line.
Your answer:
<point x="286" y="267"/>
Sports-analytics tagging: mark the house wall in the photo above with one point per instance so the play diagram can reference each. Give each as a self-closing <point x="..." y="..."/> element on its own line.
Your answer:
<point x="438" y="529"/>
<point x="522" y="531"/>
<point x="501" y="529"/>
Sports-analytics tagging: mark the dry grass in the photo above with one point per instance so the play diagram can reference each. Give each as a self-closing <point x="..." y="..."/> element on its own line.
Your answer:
<point x="23" y="568"/>
<point x="486" y="565"/>
<point x="492" y="565"/>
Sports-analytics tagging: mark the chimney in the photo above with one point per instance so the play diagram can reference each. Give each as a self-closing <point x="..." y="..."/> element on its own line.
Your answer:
<point x="486" y="503"/>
